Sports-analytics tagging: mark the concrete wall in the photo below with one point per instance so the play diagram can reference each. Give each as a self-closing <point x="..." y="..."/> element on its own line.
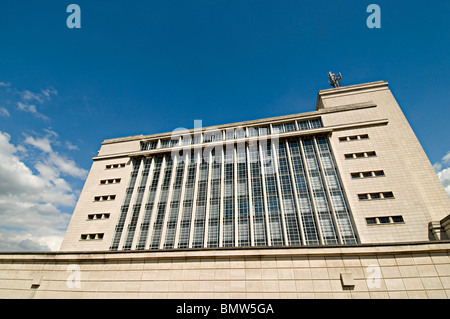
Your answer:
<point x="415" y="270"/>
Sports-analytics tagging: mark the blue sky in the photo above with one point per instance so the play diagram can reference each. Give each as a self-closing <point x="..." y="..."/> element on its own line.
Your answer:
<point x="142" y="67"/>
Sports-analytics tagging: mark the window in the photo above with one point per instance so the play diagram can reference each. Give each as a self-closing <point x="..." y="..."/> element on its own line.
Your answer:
<point x="309" y="124"/>
<point x="360" y="155"/>
<point x="384" y="220"/>
<point x="374" y="196"/>
<point x="98" y="216"/>
<point x="212" y="136"/>
<point x="388" y="195"/>
<point x="165" y="143"/>
<point x="240" y="132"/>
<point x="111" y="166"/>
<point x="104" y="198"/>
<point x="367" y="174"/>
<point x="397" y="219"/>
<point x="353" y="138"/>
<point x="110" y="181"/>
<point x="283" y="127"/>
<point x="378" y="173"/>
<point x="91" y="236"/>
<point x="149" y="145"/>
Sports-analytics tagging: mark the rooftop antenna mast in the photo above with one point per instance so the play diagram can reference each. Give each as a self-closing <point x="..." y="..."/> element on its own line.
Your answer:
<point x="334" y="79"/>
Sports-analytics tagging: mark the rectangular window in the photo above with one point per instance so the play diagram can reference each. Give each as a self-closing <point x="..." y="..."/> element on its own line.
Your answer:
<point x="374" y="196"/>
<point x="165" y="143"/>
<point x="353" y="138"/>
<point x="149" y="145"/>
<point x="367" y="174"/>
<point x="384" y="220"/>
<point x="360" y="155"/>
<point x="111" y="166"/>
<point x="110" y="181"/>
<point x="363" y="196"/>
<point x="309" y="124"/>
<point x="92" y="236"/>
<point x="397" y="219"/>
<point x="379" y="173"/>
<point x="388" y="195"/>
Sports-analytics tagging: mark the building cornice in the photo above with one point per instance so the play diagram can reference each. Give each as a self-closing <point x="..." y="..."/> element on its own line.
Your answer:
<point x="238" y="252"/>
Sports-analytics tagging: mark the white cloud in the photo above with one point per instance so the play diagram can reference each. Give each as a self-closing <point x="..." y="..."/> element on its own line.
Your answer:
<point x="32" y="205"/>
<point x="26" y="107"/>
<point x="442" y="169"/>
<point x="31" y="108"/>
<point x="48" y="92"/>
<point x="55" y="161"/>
<point x="4" y="112"/>
<point x="446" y="158"/>
<point x="5" y="84"/>
<point x="28" y="100"/>
<point x="71" y="146"/>
<point x="67" y="166"/>
<point x="30" y="96"/>
<point x="444" y="177"/>
<point x="41" y="143"/>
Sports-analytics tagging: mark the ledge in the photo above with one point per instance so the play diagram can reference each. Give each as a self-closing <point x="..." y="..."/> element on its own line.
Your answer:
<point x="240" y="252"/>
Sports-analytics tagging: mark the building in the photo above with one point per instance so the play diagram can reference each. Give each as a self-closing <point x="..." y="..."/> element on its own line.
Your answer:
<point x="342" y="189"/>
<point x="351" y="172"/>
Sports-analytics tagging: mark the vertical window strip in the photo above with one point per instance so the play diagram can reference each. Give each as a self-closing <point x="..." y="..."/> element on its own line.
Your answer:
<point x="287" y="193"/>
<point x="258" y="210"/>
<point x="242" y="197"/>
<point x="214" y="202"/>
<point x="200" y="210"/>
<point x="124" y="209"/>
<point x="318" y="189"/>
<point x="336" y="192"/>
<point x="162" y="204"/>
<point x="303" y="195"/>
<point x="171" y="225"/>
<point x="186" y="215"/>
<point x="228" y="202"/>
<point x="145" y="224"/>
<point x="273" y="204"/>
<point x="137" y="206"/>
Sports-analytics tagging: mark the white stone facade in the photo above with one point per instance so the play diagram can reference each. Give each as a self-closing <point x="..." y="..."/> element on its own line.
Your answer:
<point x="418" y="270"/>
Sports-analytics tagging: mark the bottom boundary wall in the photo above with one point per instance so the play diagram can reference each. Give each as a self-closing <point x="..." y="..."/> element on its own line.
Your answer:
<point x="390" y="271"/>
